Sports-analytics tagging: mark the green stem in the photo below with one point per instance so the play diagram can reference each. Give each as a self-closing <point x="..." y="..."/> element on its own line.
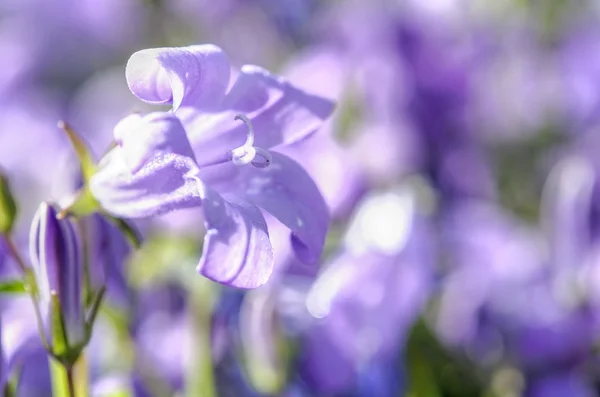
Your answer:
<point x="30" y="282"/>
<point x="69" y="381"/>
<point x="200" y="378"/>
<point x="12" y="248"/>
<point x="58" y="374"/>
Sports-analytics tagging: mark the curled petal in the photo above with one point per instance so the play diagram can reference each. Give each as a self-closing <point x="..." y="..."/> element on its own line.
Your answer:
<point x="237" y="250"/>
<point x="197" y="75"/>
<point x="143" y="137"/>
<point x="160" y="186"/>
<point x="279" y="112"/>
<point x="287" y="192"/>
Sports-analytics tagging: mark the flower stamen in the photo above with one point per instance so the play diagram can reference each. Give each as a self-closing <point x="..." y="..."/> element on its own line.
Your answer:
<point x="248" y="153"/>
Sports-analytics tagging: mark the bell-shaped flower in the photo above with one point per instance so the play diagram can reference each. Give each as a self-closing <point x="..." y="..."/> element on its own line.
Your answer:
<point x="58" y="267"/>
<point x="213" y="150"/>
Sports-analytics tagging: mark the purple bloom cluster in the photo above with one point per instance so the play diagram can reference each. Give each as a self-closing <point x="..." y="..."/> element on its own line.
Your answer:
<point x="403" y="199"/>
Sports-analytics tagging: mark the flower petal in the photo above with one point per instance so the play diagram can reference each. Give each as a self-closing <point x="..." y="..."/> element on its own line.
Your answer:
<point x="158" y="187"/>
<point x="143" y="137"/>
<point x="237" y="250"/>
<point x="196" y="75"/>
<point x="146" y="174"/>
<point x="279" y="112"/>
<point x="287" y="192"/>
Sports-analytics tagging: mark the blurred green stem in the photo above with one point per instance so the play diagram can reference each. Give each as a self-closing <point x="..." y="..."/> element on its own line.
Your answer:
<point x="69" y="381"/>
<point x="200" y="378"/>
<point x="12" y="248"/>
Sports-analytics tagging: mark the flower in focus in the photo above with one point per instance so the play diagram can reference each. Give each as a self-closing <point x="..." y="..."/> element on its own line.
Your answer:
<point x="200" y="155"/>
<point x="58" y="268"/>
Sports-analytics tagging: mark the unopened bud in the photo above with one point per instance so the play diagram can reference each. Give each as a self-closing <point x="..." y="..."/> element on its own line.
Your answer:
<point x="57" y="262"/>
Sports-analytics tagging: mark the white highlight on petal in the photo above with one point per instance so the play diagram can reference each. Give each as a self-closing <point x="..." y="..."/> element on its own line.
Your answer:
<point x="383" y="222"/>
<point x="325" y="289"/>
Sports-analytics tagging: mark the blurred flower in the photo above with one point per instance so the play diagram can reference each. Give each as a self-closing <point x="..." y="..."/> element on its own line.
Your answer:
<point x="517" y="86"/>
<point x="561" y="384"/>
<point x="86" y="33"/>
<point x="439" y="69"/>
<point x="368" y="297"/>
<point x="22" y="349"/>
<point x="579" y="61"/>
<point x="112" y="385"/>
<point x="3" y="256"/>
<point x="3" y="367"/>
<point x="326" y="160"/>
<point x="106" y="252"/>
<point x="250" y="30"/>
<point x="160" y="165"/>
<point x="58" y="267"/>
<point x="33" y="151"/>
<point x="515" y="293"/>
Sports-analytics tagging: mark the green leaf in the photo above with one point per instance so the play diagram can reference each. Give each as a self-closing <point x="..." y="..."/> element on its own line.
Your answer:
<point x="8" y="207"/>
<point x="84" y="154"/>
<point x="82" y="204"/>
<point x="434" y="371"/>
<point x="13" y="287"/>
<point x="128" y="231"/>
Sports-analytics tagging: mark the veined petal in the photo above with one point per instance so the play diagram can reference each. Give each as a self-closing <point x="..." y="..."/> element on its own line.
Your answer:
<point x="145" y="174"/>
<point x="143" y="137"/>
<point x="280" y="113"/>
<point x="158" y="187"/>
<point x="287" y="192"/>
<point x="196" y="75"/>
<point x="237" y="250"/>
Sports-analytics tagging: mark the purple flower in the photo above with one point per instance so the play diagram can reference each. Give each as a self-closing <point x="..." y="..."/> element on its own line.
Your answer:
<point x="579" y="63"/>
<point x="23" y="352"/>
<point x="57" y="263"/>
<point x="3" y="256"/>
<point x="199" y="154"/>
<point x="3" y="367"/>
<point x="107" y="250"/>
<point x="368" y="297"/>
<point x="524" y="293"/>
<point x="567" y="383"/>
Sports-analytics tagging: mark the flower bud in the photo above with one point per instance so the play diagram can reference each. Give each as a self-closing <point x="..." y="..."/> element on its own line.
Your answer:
<point x="57" y="263"/>
<point x="8" y="208"/>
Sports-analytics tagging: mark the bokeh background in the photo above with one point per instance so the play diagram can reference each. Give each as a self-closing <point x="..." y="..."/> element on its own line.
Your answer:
<point x="461" y="167"/>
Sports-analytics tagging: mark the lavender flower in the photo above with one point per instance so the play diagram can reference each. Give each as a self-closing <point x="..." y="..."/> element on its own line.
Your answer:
<point x="106" y="252"/>
<point x="195" y="155"/>
<point x="57" y="263"/>
<point x="23" y="352"/>
<point x="567" y="383"/>
<point x="3" y="369"/>
<point x="368" y="297"/>
<point x="520" y="294"/>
